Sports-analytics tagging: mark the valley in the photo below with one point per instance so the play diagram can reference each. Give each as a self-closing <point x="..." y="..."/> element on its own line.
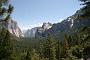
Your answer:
<point x="65" y="40"/>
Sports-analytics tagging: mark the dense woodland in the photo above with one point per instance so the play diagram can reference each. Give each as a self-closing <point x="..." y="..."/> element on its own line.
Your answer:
<point x="72" y="47"/>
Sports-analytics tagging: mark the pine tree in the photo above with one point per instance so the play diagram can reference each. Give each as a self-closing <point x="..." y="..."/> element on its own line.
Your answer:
<point x="85" y="2"/>
<point x="86" y="9"/>
<point x="32" y="55"/>
<point x="5" y="10"/>
<point x="28" y="56"/>
<point x="50" y="51"/>
<point x="58" y="50"/>
<point x="67" y="44"/>
<point x="84" y="37"/>
<point x="41" y="50"/>
<point x="5" y="40"/>
<point x="5" y="46"/>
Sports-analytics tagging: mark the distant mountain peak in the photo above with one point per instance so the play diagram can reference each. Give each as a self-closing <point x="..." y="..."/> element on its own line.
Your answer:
<point x="46" y="26"/>
<point x="37" y="30"/>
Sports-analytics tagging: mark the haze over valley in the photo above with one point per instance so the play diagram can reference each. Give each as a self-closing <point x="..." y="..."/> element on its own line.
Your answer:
<point x="44" y="29"/>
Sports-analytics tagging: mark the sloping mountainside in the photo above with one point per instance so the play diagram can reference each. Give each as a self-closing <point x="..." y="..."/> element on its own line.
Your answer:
<point x="11" y="26"/>
<point x="70" y="25"/>
<point x="32" y="33"/>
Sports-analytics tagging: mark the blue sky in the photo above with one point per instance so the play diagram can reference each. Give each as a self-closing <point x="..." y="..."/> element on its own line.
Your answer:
<point x="32" y="13"/>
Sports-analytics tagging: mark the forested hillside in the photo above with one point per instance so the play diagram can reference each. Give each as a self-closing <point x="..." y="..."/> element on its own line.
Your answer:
<point x="68" y="40"/>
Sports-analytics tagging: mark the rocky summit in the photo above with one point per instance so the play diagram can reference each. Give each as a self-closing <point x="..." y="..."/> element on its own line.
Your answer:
<point x="34" y="32"/>
<point x="70" y="25"/>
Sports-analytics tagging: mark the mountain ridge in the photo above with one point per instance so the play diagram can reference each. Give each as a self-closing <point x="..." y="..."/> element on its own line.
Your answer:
<point x="70" y="25"/>
<point x="32" y="32"/>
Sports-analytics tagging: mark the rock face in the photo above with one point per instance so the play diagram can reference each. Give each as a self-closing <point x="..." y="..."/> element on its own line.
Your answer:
<point x="71" y="25"/>
<point x="30" y="32"/>
<point x="11" y="26"/>
<point x="46" y="26"/>
<point x="34" y="32"/>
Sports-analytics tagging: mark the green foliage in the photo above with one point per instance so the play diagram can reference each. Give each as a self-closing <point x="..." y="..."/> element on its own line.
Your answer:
<point x="86" y="9"/>
<point x="5" y="45"/>
<point x="28" y="56"/>
<point x="3" y="2"/>
<point x="49" y="48"/>
<point x="31" y="55"/>
<point x="10" y="9"/>
<point x="73" y="47"/>
<point x="5" y="10"/>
